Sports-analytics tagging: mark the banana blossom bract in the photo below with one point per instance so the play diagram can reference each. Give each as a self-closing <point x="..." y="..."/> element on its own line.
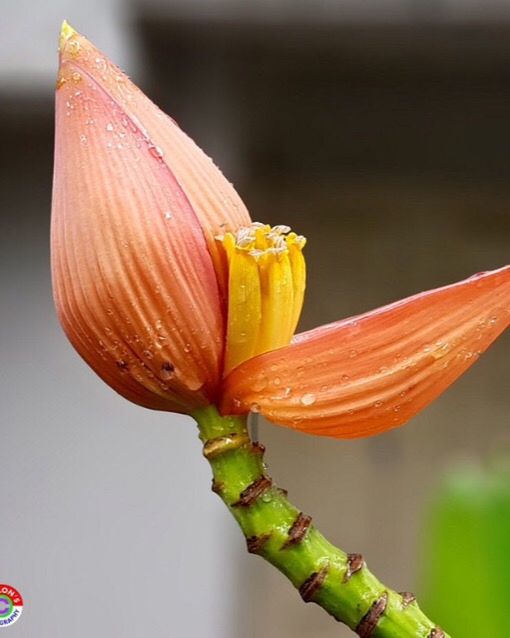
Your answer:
<point x="177" y="300"/>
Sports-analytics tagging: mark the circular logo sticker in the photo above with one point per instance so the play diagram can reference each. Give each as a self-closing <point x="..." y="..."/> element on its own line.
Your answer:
<point x="11" y="605"/>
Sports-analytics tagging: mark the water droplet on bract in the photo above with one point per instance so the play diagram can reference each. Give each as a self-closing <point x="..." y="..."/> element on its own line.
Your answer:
<point x="73" y="47"/>
<point x="277" y="381"/>
<point x="122" y="365"/>
<point x="378" y="404"/>
<point x="308" y="399"/>
<point x="396" y="408"/>
<point x="160" y="340"/>
<point x="353" y="354"/>
<point x="345" y="378"/>
<point x="195" y="384"/>
<point x="83" y="140"/>
<point x="148" y="354"/>
<point x="168" y="215"/>
<point x="167" y="370"/>
<point x="156" y="151"/>
<point x="267" y="497"/>
<point x="109" y="126"/>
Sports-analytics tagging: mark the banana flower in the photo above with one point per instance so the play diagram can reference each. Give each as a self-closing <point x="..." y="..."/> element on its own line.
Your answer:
<point x="178" y="300"/>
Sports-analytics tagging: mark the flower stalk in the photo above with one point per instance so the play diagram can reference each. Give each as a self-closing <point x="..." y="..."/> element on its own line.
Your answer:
<point x="280" y="533"/>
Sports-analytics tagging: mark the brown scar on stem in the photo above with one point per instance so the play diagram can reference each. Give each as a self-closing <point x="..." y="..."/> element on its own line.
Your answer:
<point x="355" y="562"/>
<point x="298" y="530"/>
<point x="437" y="632"/>
<point x="258" y="448"/>
<point x="313" y="583"/>
<point x="407" y="598"/>
<point x="368" y="623"/>
<point x="250" y="494"/>
<point x="255" y="544"/>
<point x="222" y="444"/>
<point x="217" y="487"/>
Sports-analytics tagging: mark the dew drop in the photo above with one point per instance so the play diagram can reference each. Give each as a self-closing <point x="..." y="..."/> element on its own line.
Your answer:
<point x="109" y="126"/>
<point x="378" y="404"/>
<point x="195" y="384"/>
<point x="168" y="215"/>
<point x="156" y="151"/>
<point x="277" y="381"/>
<point x="345" y="378"/>
<point x="353" y="354"/>
<point x="267" y="497"/>
<point x="308" y="399"/>
<point x="148" y="354"/>
<point x="73" y="47"/>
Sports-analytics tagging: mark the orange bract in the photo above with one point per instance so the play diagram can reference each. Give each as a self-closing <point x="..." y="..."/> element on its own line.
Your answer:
<point x="134" y="283"/>
<point x="373" y="372"/>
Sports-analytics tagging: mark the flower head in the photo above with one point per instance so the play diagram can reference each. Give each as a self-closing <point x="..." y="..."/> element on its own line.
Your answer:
<point x="178" y="300"/>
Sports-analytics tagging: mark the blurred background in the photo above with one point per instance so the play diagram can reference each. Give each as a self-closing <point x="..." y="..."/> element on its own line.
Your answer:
<point x="381" y="131"/>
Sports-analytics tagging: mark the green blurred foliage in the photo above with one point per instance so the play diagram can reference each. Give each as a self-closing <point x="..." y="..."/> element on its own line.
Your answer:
<point x="465" y="571"/>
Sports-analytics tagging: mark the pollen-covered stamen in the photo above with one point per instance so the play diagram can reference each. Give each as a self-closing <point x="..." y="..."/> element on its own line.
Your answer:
<point x="267" y="275"/>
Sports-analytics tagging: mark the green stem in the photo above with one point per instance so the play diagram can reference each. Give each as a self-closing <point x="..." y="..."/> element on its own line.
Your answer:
<point x="340" y="583"/>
